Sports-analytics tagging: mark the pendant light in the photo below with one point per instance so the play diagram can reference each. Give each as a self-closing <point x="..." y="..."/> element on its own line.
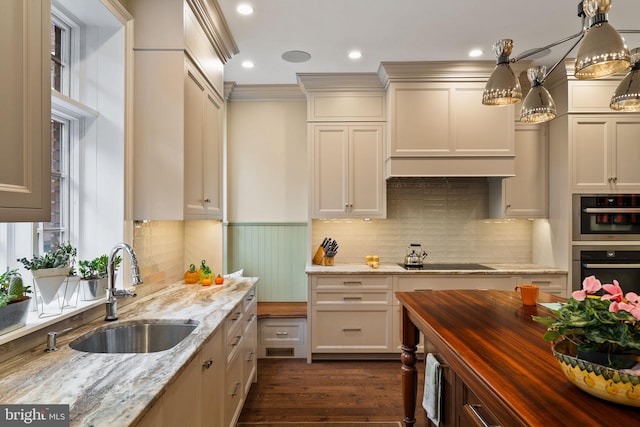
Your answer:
<point x="602" y="52"/>
<point x="627" y="95"/>
<point x="503" y="88"/>
<point x="538" y="106"/>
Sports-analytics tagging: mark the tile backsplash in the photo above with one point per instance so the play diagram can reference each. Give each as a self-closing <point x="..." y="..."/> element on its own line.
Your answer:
<point x="159" y="247"/>
<point x="448" y="216"/>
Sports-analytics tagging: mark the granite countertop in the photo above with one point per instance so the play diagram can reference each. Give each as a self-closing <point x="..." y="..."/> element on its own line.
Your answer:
<point x="118" y="389"/>
<point x="393" y="268"/>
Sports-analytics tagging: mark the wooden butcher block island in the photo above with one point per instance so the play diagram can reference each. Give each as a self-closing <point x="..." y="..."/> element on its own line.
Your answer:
<point x="497" y="369"/>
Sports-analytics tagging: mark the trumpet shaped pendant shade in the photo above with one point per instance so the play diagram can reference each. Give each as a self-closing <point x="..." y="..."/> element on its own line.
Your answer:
<point x="503" y="88"/>
<point x="602" y="52"/>
<point x="627" y="95"/>
<point x="538" y="106"/>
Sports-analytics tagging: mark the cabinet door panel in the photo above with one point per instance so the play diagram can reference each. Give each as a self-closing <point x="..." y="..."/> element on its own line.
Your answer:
<point x="213" y="364"/>
<point x="24" y="123"/>
<point x="331" y="170"/>
<point x="590" y="139"/>
<point x="420" y="121"/>
<point x="480" y="130"/>
<point x="212" y="156"/>
<point x="193" y="143"/>
<point x="366" y="161"/>
<point x="627" y="154"/>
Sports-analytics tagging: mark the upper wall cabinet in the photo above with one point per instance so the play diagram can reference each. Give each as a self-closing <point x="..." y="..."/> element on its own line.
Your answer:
<point x="346" y="116"/>
<point x="606" y="153"/>
<point x="347" y="171"/>
<point x="179" y="56"/>
<point x="525" y="194"/>
<point x="25" y="175"/>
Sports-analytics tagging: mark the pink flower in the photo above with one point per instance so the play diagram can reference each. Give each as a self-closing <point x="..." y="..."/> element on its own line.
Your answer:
<point x="614" y="292"/>
<point x="590" y="285"/>
<point x="633" y="305"/>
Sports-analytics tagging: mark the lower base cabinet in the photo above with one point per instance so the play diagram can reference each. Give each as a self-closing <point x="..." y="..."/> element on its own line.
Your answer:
<point x="211" y="389"/>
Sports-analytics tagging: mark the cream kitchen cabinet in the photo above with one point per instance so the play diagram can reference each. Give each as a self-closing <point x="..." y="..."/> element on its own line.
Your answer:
<point x="195" y="394"/>
<point x="25" y="181"/>
<point x="178" y="106"/>
<point x="447" y="121"/>
<point x="241" y="347"/>
<point x="525" y="194"/>
<point x="350" y="314"/>
<point x="605" y="153"/>
<point x="347" y="180"/>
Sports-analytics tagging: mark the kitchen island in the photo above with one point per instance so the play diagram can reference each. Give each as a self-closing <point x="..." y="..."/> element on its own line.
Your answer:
<point x="120" y="389"/>
<point x="497" y="368"/>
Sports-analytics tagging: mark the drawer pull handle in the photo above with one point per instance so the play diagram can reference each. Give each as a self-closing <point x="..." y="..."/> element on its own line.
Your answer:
<point x="250" y="319"/>
<point x="280" y="333"/>
<point x="352" y="298"/>
<point x="353" y="282"/>
<point x="236" y="316"/>
<point x="207" y="364"/>
<point x="236" y="389"/>
<point x="473" y="409"/>
<point x="237" y="340"/>
<point x="351" y="329"/>
<point x="250" y="297"/>
<point x="250" y="358"/>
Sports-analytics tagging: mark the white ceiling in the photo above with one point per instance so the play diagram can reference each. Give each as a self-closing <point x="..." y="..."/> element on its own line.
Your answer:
<point x="398" y="30"/>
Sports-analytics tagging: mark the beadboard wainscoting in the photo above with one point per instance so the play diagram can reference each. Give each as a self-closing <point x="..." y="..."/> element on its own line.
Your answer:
<point x="274" y="252"/>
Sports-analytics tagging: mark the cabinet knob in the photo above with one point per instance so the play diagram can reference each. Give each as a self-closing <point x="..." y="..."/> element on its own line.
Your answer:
<point x="207" y="200"/>
<point x="207" y="364"/>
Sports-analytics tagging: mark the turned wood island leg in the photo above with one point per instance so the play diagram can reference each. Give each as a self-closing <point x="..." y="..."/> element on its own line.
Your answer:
<point x="410" y="338"/>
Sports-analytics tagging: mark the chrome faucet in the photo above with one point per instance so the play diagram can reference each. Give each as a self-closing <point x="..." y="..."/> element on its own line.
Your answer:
<point x="114" y="294"/>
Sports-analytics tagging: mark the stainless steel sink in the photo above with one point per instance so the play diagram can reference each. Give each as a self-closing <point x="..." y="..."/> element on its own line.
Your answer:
<point x="135" y="336"/>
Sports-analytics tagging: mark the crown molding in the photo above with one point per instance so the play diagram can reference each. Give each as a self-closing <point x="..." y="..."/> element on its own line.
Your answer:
<point x="339" y="82"/>
<point x="234" y="92"/>
<point x="210" y="17"/>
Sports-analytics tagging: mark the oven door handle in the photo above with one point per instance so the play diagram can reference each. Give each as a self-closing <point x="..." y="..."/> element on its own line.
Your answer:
<point x="610" y="210"/>
<point x="588" y="265"/>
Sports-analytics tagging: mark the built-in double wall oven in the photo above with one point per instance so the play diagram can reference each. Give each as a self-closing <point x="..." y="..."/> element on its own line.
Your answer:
<point x="606" y="239"/>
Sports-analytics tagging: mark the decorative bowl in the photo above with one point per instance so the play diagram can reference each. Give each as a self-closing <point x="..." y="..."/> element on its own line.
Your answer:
<point x="606" y="383"/>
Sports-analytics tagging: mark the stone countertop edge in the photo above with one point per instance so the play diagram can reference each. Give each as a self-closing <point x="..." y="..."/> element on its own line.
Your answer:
<point x="119" y="389"/>
<point x="395" y="269"/>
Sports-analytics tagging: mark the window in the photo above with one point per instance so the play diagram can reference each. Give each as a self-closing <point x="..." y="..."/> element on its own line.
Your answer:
<point x="53" y="233"/>
<point x="88" y="51"/>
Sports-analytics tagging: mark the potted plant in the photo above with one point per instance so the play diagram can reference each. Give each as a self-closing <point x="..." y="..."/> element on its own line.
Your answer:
<point x="50" y="269"/>
<point x="93" y="276"/>
<point x="601" y="323"/>
<point x="14" y="301"/>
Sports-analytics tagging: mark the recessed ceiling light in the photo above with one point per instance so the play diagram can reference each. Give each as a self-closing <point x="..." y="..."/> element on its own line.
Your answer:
<point x="247" y="64"/>
<point x="296" y="56"/>
<point x="474" y="53"/>
<point x="355" y="54"/>
<point x="244" y="9"/>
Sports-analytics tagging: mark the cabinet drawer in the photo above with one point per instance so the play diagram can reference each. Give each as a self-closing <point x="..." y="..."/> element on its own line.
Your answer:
<point x="250" y="300"/>
<point x="351" y="282"/>
<point x="233" y="321"/>
<point x="350" y="297"/>
<point x="359" y="330"/>
<point x="249" y="316"/>
<point x="282" y="331"/>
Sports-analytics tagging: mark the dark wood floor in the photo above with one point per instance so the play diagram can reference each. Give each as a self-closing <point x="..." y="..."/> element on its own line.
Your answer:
<point x="291" y="390"/>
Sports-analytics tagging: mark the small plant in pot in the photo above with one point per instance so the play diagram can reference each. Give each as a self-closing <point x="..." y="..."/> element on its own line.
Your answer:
<point x="51" y="269"/>
<point x="93" y="276"/>
<point x="14" y="301"/>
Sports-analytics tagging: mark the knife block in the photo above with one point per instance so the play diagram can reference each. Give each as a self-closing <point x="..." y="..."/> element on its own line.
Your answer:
<point x="318" y="258"/>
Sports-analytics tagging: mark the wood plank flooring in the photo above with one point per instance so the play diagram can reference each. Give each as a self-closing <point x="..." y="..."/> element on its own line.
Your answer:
<point x="291" y="390"/>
